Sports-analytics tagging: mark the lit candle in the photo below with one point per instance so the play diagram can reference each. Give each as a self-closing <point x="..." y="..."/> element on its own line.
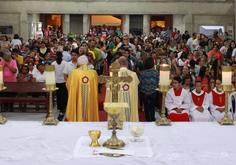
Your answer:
<point x="119" y="74"/>
<point x="111" y="74"/>
<point x="1" y="74"/>
<point x="226" y="75"/>
<point x="50" y="74"/>
<point x="164" y="74"/>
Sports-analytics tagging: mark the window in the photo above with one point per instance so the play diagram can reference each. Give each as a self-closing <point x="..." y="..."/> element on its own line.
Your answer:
<point x="6" y="30"/>
<point x="209" y="30"/>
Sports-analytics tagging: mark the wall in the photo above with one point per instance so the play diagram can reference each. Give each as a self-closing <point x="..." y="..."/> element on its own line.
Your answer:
<point x="179" y="22"/>
<point x="136" y="21"/>
<point x="194" y="12"/>
<point x="76" y="23"/>
<point x="11" y="20"/>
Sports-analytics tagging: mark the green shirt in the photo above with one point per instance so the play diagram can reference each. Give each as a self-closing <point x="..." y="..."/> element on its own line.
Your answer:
<point x="97" y="55"/>
<point x="112" y="45"/>
<point x="118" y="32"/>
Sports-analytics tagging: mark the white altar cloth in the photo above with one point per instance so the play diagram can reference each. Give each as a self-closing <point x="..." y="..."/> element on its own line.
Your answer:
<point x="137" y="149"/>
<point x="194" y="143"/>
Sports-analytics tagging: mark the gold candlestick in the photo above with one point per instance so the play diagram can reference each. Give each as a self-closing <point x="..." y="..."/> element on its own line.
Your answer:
<point x="164" y="87"/>
<point x="163" y="120"/>
<point x="50" y="120"/>
<point x="226" y="120"/>
<point x="227" y="87"/>
<point x="2" y="119"/>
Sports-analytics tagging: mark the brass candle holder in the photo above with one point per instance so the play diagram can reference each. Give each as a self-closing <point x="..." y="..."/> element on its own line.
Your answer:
<point x="227" y="87"/>
<point x="163" y="120"/>
<point x="164" y="87"/>
<point x="50" y="87"/>
<point x="2" y="119"/>
<point x="114" y="112"/>
<point x="226" y="120"/>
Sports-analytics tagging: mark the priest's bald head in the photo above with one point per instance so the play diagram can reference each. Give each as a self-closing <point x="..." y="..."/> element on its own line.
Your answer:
<point x="123" y="62"/>
<point x="82" y="60"/>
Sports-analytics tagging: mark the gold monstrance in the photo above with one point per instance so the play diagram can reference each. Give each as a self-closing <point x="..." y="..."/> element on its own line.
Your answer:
<point x="114" y="87"/>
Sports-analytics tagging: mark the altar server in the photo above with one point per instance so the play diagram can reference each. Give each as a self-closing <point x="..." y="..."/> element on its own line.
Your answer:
<point x="178" y="102"/>
<point x="128" y="93"/>
<point x="82" y="86"/>
<point x="199" y="104"/>
<point x="217" y="102"/>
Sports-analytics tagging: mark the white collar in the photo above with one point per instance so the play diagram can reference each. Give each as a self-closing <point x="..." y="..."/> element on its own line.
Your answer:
<point x="197" y="94"/>
<point x="123" y="68"/>
<point x="218" y="92"/>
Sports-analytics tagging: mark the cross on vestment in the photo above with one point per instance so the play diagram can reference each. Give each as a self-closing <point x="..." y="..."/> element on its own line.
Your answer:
<point x="115" y="79"/>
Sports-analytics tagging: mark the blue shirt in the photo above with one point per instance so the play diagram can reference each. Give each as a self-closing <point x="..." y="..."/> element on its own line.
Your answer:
<point x="66" y="56"/>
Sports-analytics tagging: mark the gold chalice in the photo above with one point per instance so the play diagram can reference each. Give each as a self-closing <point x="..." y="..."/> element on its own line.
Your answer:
<point x="94" y="135"/>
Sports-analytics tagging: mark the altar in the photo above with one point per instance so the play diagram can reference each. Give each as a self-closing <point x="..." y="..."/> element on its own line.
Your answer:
<point x="194" y="143"/>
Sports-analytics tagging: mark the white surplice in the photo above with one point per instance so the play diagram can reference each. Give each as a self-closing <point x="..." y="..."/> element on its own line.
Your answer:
<point x="172" y="101"/>
<point x="217" y="115"/>
<point x="194" y="113"/>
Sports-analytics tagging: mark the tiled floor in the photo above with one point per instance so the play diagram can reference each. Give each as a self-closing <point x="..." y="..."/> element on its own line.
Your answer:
<point x="29" y="115"/>
<point x="33" y="115"/>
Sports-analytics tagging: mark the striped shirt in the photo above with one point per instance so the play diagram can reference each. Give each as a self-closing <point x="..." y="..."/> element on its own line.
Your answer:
<point x="149" y="80"/>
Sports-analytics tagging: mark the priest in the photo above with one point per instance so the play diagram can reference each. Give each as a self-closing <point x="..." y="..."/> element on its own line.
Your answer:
<point x="199" y="104"/>
<point x="128" y="93"/>
<point x="217" y="102"/>
<point x="177" y="102"/>
<point x="82" y="86"/>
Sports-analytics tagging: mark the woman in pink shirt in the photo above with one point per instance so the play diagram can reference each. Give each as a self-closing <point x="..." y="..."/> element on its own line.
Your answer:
<point x="9" y="75"/>
<point x="9" y="68"/>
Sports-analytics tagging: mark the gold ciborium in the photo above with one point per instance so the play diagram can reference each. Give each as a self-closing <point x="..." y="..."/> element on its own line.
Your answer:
<point x="94" y="135"/>
<point x="114" y="110"/>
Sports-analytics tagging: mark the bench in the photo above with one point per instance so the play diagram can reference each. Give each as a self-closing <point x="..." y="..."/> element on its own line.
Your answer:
<point x="23" y="87"/>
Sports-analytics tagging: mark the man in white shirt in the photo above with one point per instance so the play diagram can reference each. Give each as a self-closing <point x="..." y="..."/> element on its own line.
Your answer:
<point x="190" y="42"/>
<point x="72" y="65"/>
<point x="199" y="104"/>
<point x="126" y="40"/>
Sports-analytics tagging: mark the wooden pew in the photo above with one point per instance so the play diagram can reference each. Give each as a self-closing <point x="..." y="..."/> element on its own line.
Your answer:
<point x="23" y="87"/>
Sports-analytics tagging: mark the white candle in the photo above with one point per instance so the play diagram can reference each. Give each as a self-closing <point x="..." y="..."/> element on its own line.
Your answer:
<point x="164" y="74"/>
<point x="50" y="77"/>
<point x="226" y="75"/>
<point x="50" y="74"/>
<point x="111" y="74"/>
<point x="1" y="74"/>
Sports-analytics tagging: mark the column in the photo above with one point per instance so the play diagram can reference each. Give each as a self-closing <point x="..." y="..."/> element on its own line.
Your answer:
<point x="66" y="24"/>
<point x="179" y="22"/>
<point x="24" y="26"/>
<point x="85" y="23"/>
<point x="146" y="24"/>
<point x="126" y="24"/>
<point x="189" y="23"/>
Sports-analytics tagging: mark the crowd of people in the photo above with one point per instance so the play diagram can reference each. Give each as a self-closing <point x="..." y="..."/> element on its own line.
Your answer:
<point x="195" y="63"/>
